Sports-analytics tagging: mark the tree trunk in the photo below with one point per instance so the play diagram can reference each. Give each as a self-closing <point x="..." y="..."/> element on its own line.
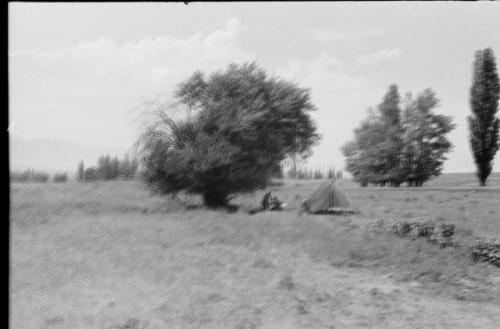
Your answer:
<point x="213" y="199"/>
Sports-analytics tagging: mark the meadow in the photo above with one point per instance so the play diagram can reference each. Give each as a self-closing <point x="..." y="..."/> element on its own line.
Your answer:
<point x="110" y="255"/>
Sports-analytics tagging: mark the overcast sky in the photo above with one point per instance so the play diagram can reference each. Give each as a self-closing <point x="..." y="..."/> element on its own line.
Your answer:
<point x="78" y="72"/>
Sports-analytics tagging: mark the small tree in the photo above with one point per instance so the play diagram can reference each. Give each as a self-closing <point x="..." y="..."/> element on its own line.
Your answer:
<point x="125" y="166"/>
<point x="425" y="141"/>
<point x="388" y="148"/>
<point x="239" y="125"/>
<point x="60" y="177"/>
<point x="114" y="168"/>
<point x="91" y="174"/>
<point x="80" y="175"/>
<point x="483" y="123"/>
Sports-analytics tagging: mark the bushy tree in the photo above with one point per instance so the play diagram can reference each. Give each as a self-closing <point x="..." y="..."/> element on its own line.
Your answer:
<point x="390" y="148"/>
<point x="390" y="116"/>
<point x="114" y="168"/>
<point x="425" y="141"/>
<point x="91" y="174"/>
<point x="483" y="123"/>
<point x="318" y="174"/>
<point x="241" y="124"/>
<point x="363" y="156"/>
<point x="61" y="177"/>
<point x="125" y="166"/>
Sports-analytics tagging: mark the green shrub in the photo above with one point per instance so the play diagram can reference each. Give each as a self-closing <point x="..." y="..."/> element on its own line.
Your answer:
<point x="443" y="235"/>
<point x="486" y="251"/>
<point x="401" y="228"/>
<point x="60" y="177"/>
<point x="29" y="175"/>
<point x="40" y="177"/>
<point x="421" y="229"/>
<point x="18" y="176"/>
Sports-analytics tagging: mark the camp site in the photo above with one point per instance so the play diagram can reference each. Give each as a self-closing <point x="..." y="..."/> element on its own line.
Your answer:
<point x="326" y="165"/>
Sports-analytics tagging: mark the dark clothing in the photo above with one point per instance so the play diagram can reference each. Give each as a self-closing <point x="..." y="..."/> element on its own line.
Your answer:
<point x="266" y="201"/>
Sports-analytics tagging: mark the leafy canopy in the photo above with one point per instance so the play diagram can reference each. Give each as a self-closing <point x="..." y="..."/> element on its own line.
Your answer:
<point x="392" y="146"/>
<point x="237" y="126"/>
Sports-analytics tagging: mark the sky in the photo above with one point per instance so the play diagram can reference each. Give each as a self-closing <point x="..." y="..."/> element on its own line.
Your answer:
<point x="82" y="72"/>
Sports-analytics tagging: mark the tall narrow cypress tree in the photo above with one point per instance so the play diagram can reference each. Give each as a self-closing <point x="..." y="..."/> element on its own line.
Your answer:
<point x="483" y="123"/>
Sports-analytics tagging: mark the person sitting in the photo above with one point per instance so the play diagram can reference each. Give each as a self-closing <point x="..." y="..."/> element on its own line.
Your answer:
<point x="275" y="204"/>
<point x="266" y="201"/>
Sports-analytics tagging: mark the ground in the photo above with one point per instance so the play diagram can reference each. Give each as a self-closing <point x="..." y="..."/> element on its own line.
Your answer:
<point x="110" y="255"/>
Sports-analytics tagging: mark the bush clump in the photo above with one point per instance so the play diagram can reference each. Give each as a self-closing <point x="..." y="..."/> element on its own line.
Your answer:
<point x="486" y="251"/>
<point x="414" y="228"/>
<point x="60" y="177"/>
<point x="29" y="175"/>
<point x="442" y="235"/>
<point x="422" y="229"/>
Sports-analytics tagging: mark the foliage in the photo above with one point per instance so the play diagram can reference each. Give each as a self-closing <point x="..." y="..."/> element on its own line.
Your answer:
<point x="442" y="235"/>
<point x="80" y="175"/>
<point x="109" y="168"/>
<point x="128" y="167"/>
<point x="483" y="123"/>
<point x="29" y="175"/>
<point x="392" y="146"/>
<point x="486" y="251"/>
<point x="60" y="177"/>
<point x="91" y="174"/>
<point x="425" y="142"/>
<point x="239" y="125"/>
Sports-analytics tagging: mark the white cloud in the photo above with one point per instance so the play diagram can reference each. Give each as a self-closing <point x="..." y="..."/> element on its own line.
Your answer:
<point x="148" y="59"/>
<point x="59" y="93"/>
<point x="380" y="55"/>
<point x="322" y="73"/>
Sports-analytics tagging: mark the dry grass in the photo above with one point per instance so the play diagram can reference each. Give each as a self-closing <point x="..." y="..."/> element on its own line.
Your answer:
<point x="109" y="255"/>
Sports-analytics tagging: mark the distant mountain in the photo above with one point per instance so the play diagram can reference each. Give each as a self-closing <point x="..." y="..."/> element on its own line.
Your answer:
<point x="54" y="155"/>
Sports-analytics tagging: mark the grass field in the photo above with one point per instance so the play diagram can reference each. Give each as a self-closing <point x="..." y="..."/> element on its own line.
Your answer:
<point x="110" y="255"/>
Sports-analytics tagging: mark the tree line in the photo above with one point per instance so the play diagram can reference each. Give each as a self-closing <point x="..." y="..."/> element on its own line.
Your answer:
<point x="404" y="140"/>
<point x="37" y="176"/>
<point x="305" y="173"/>
<point x="108" y="168"/>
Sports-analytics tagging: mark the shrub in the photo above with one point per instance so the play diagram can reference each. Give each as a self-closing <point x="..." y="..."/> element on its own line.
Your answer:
<point x="30" y="175"/>
<point x="401" y="228"/>
<point x="90" y="174"/>
<point x="40" y="177"/>
<point x="422" y="229"/>
<point x="486" y="251"/>
<point x="441" y="235"/>
<point x="18" y="176"/>
<point x="60" y="177"/>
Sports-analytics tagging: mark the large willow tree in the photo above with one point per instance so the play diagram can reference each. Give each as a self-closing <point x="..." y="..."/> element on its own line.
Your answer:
<point x="239" y="124"/>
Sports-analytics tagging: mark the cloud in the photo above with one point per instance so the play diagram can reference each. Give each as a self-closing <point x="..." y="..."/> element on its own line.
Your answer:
<point x="380" y="55"/>
<point x="60" y="93"/>
<point x="322" y="73"/>
<point x="149" y="59"/>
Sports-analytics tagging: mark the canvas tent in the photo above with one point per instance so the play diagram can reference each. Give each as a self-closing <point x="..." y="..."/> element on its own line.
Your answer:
<point x="328" y="198"/>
